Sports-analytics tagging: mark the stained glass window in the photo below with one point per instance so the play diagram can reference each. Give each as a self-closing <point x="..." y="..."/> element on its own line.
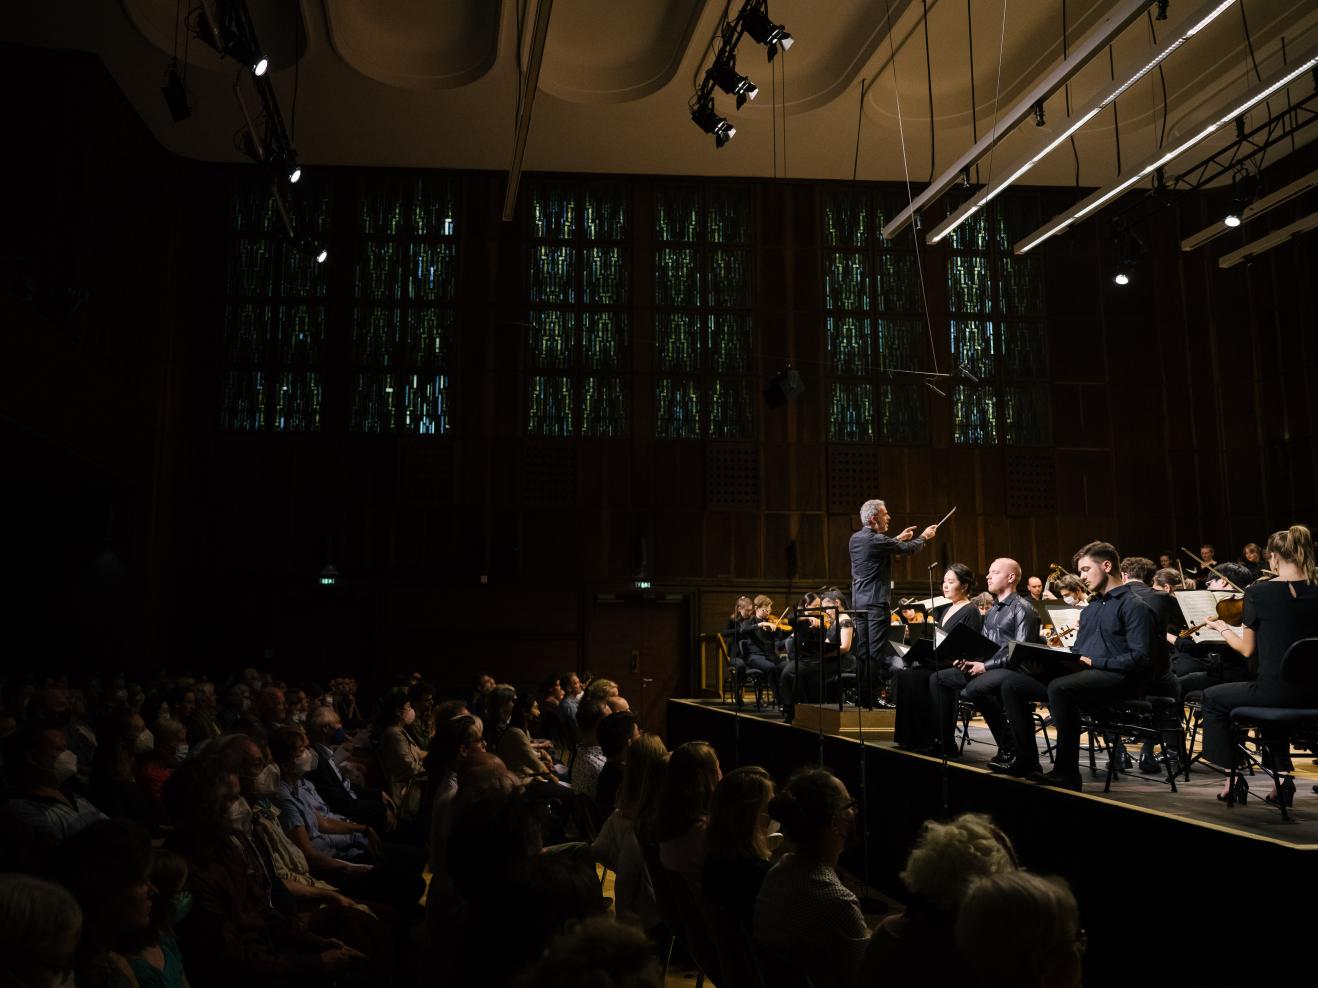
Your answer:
<point x="403" y="317"/>
<point x="274" y="313"/>
<point x="579" y="337"/>
<point x="873" y="321"/>
<point x="995" y="317"/>
<point x="704" y="346"/>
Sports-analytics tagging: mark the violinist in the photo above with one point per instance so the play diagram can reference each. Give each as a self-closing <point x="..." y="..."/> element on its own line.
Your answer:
<point x="1251" y="557"/>
<point x="819" y="642"/>
<point x="1071" y="591"/>
<point x="1278" y="613"/>
<point x="1200" y="664"/>
<point x="760" y="631"/>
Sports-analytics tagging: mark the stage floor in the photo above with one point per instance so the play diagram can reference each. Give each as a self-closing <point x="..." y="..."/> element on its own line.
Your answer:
<point x="1194" y="802"/>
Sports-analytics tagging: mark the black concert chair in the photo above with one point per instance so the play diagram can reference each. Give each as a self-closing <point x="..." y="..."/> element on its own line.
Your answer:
<point x="670" y="911"/>
<point x="1148" y="718"/>
<point x="736" y="951"/>
<point x="1278" y="727"/>
<point x="754" y="678"/>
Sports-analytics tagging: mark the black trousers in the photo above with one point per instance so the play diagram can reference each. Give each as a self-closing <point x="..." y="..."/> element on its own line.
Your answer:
<point x="871" y="633"/>
<point x="915" y="725"/>
<point x="1067" y="696"/>
<point x="947" y="685"/>
<point x="1219" y="701"/>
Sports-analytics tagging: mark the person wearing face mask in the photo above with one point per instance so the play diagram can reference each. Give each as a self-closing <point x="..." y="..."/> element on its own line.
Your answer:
<point x="298" y="705"/>
<point x="169" y="748"/>
<point x="805" y="920"/>
<point x="115" y="785"/>
<point x="40" y="926"/>
<point x="349" y="855"/>
<point x="1072" y="591"/>
<point x="271" y="709"/>
<point x="400" y="759"/>
<point x="201" y="722"/>
<point x="41" y="812"/>
<point x="360" y="804"/>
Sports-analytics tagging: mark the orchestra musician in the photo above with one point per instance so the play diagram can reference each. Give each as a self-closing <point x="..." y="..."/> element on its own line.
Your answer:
<point x="1113" y="649"/>
<point x="871" y="554"/>
<point x="1011" y="618"/>
<point x="915" y="726"/>
<point x="1278" y="613"/>
<point x="820" y="644"/>
<point x="1138" y="573"/>
<point x="1251" y="557"/>
<point x="1198" y="665"/>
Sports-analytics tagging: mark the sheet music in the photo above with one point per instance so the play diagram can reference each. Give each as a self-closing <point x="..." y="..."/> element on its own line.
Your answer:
<point x="939" y="635"/>
<point x="900" y="649"/>
<point x="1199" y="606"/>
<point x="929" y="603"/>
<point x="1064" y="616"/>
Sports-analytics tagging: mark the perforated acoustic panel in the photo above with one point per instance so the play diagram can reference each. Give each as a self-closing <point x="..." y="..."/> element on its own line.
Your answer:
<point x="425" y="471"/>
<point x="732" y="476"/>
<point x="853" y="477"/>
<point x="549" y="474"/>
<point x="1031" y="481"/>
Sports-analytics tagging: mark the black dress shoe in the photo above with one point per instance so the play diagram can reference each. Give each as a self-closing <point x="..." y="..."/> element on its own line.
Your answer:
<point x="1057" y="780"/>
<point x="1149" y="765"/>
<point x="1018" y="770"/>
<point x="1002" y="761"/>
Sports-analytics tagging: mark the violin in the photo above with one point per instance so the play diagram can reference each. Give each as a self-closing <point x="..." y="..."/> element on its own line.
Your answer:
<point x="1230" y="609"/>
<point x="1055" y="637"/>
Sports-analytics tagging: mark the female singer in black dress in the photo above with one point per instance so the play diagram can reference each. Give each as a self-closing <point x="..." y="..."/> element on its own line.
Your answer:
<point x="1278" y="613"/>
<point x="915" y="726"/>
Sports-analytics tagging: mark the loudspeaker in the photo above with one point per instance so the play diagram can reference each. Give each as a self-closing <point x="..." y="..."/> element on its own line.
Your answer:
<point x="785" y="386"/>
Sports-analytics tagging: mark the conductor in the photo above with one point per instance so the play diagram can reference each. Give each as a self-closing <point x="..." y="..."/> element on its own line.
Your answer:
<point x="871" y="584"/>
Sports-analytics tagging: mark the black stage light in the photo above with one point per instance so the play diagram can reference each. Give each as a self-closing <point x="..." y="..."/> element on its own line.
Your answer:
<point x="766" y="32"/>
<point x="1245" y="191"/>
<point x="785" y="386"/>
<point x="246" y="53"/>
<point x="711" y="123"/>
<point x="176" y="95"/>
<point x="1038" y="114"/>
<point x="727" y="78"/>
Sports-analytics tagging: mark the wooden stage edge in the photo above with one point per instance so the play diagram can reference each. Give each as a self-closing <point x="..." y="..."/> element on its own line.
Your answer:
<point x="1172" y="872"/>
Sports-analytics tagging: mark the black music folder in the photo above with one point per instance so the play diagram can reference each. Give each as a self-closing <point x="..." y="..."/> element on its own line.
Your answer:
<point x="1033" y="659"/>
<point x="964" y="643"/>
<point x="921" y="654"/>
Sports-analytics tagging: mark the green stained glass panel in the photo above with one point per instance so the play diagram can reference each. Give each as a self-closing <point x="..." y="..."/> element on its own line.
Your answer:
<point x="677" y="277"/>
<point x="309" y="208"/>
<point x="549" y="406"/>
<point x="605" y="213"/>
<point x="423" y="404"/>
<point x="303" y="276"/>
<point x="1020" y="290"/>
<point x="429" y="331"/>
<point x="431" y="271"/>
<point x="433" y="209"/>
<point x="677" y="408"/>
<point x="373" y="401"/>
<point x="729" y="279"/>
<point x="968" y="287"/>
<point x="604" y="340"/>
<point x="603" y="406"/>
<point x="677" y="341"/>
<point x="903" y="413"/>
<point x="604" y="276"/>
<point x="973" y="346"/>
<point x="849" y="345"/>
<point x="252" y="267"/>
<point x="727" y="215"/>
<point x="676" y="214"/>
<point x="974" y="415"/>
<point x="730" y="409"/>
<point x="901" y="342"/>
<point x="847" y="281"/>
<point x="851" y="412"/>
<point x="886" y="209"/>
<point x="377" y="335"/>
<point x="1014" y="218"/>
<point x="972" y="234"/>
<point x="553" y="212"/>
<point x="379" y="272"/>
<point x="553" y="274"/>
<point x="297" y="402"/>
<point x="899" y="283"/>
<point x="300" y="333"/>
<point x="846" y="218"/>
<point x="1027" y="414"/>
<point x="252" y="211"/>
<point x="553" y="338"/>
<point x="246" y="333"/>
<point x="729" y="343"/>
<point x="243" y="403"/>
<point x="1024" y="350"/>
<point x="382" y="208"/>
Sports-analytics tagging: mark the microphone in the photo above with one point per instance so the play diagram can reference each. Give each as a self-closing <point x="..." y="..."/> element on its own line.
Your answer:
<point x="933" y="564"/>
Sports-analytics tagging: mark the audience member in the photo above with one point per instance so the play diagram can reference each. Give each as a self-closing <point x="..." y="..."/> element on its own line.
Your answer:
<point x="422" y="728"/>
<point x="524" y="756"/>
<point x="599" y="953"/>
<point x="40" y="928"/>
<point x="41" y="812"/>
<point x="400" y="760"/>
<point x="616" y="847"/>
<point x="589" y="757"/>
<point x="158" y="764"/>
<point x="682" y="815"/>
<point x="737" y="856"/>
<point x="154" y="952"/>
<point x="616" y="734"/>
<point x="360" y="804"/>
<point x="1018" y="930"/>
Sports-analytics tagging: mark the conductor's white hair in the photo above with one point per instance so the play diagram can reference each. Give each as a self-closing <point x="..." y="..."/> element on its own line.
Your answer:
<point x="868" y="510"/>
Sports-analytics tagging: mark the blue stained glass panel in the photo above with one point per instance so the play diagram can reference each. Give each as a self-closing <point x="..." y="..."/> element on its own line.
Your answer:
<point x="431" y="271"/>
<point x="728" y="215"/>
<point x="604" y="340"/>
<point x="382" y="208"/>
<point x="253" y="211"/>
<point x="553" y="274"/>
<point x="379" y="272"/>
<point x="1020" y="289"/>
<point x="677" y="341"/>
<point x="889" y="205"/>
<point x="901" y="343"/>
<point x="729" y="279"/>
<point x="973" y="233"/>
<point x="729" y="343"/>
<point x="373" y="401"/>
<point x="730" y="409"/>
<point x="903" y="413"/>
<point x="309" y="208"/>
<point x="300" y="333"/>
<point x="303" y="276"/>
<point x="549" y="406"/>
<point x="1015" y="217"/>
<point x="676" y="214"/>
<point x="433" y="209"/>
<point x="297" y="402"/>
<point x="974" y="415"/>
<point x="423" y="404"/>
<point x="677" y="277"/>
<point x="968" y="285"/>
<point x="553" y="338"/>
<point x="1024" y="350"/>
<point x="851" y="412"/>
<point x="252" y="267"/>
<point x="973" y="346"/>
<point x="429" y="331"/>
<point x="899" y="283"/>
<point x="243" y="403"/>
<point x="605" y="213"/>
<point x="604" y="276"/>
<point x="246" y="333"/>
<point x="849" y="345"/>
<point x="603" y="406"/>
<point x="846" y="218"/>
<point x="553" y="212"/>
<point x="677" y="408"/>
<point x="377" y="334"/>
<point x="847" y="281"/>
<point x="1028" y="416"/>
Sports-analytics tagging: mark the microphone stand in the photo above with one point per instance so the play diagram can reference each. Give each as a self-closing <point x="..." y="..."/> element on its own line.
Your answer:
<point x="942" y="768"/>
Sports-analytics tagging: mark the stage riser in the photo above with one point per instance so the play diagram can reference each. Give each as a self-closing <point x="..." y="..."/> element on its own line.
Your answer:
<point x="1180" y="892"/>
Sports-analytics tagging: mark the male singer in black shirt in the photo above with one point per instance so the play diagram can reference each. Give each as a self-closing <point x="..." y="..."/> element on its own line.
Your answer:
<point x="1113" y="651"/>
<point x="1011" y="618"/>
<point x="871" y="580"/>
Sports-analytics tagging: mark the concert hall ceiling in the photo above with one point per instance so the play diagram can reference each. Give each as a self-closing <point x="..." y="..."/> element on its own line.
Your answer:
<point x="424" y="83"/>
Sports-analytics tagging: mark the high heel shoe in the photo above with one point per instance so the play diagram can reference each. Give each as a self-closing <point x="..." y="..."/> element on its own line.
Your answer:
<point x="1239" y="795"/>
<point x="1285" y="796"/>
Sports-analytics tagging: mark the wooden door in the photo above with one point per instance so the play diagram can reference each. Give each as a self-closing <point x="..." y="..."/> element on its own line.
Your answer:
<point x="642" y="643"/>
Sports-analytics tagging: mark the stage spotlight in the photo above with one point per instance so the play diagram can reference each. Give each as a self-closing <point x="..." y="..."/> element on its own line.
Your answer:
<point x="1232" y="218"/>
<point x="1122" y="277"/>
<point x="322" y="255"/>
<point x="1129" y="249"/>
<point x="1244" y="191"/>
<point x="249" y="56"/>
<point x="711" y="123"/>
<point x="295" y="173"/>
<point x="176" y="95"/>
<point x="1038" y="114"/>
<point x="727" y="78"/>
<point x="766" y="32"/>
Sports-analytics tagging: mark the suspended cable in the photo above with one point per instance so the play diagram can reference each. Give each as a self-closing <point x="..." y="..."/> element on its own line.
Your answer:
<point x="1153" y="36"/>
<point x="1116" y="121"/>
<point x="1002" y="41"/>
<point x="1066" y="53"/>
<point x="974" y="105"/>
<point x="860" y="116"/>
<point x="929" y="80"/>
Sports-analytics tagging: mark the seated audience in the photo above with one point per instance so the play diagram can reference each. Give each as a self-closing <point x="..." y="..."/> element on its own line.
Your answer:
<point x="525" y="757"/>
<point x="400" y="760"/>
<point x="158" y="764"/>
<point x="42" y="812"/>
<point x="616" y="847"/>
<point x="419" y="732"/>
<point x="115" y="785"/>
<point x="805" y="919"/>
<point x="616" y="734"/>
<point x="360" y="804"/>
<point x="737" y="855"/>
<point x="1018" y="930"/>
<point x="601" y="953"/>
<point x="682" y="815"/>
<point x="40" y="928"/>
<point x="589" y="757"/>
<point x="155" y="958"/>
<point x="915" y="947"/>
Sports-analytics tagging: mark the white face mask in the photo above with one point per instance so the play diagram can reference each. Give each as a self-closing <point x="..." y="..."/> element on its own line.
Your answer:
<point x="181" y="752"/>
<point x="143" y="743"/>
<point x="266" y="781"/>
<point x="299" y="717"/>
<point x="64" y="767"/>
<point x="1068" y="599"/>
<point x="305" y="762"/>
<point x="240" y="816"/>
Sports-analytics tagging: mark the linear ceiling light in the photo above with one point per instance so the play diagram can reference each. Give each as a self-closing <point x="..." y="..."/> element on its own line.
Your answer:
<point x="1200" y="132"/>
<point x="1253" y="211"/>
<point x="1273" y="239"/>
<point x="1132" y="73"/>
<point x="1093" y="43"/>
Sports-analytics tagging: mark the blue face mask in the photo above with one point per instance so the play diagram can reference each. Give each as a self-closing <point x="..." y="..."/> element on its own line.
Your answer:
<point x="181" y="902"/>
<point x="340" y="736"/>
